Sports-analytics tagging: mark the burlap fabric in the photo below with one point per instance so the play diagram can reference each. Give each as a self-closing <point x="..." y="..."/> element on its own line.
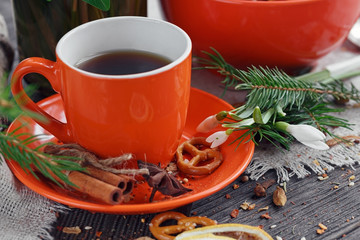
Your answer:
<point x="24" y="214"/>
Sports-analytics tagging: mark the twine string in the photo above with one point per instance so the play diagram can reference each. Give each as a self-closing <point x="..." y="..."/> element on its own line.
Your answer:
<point x="86" y="158"/>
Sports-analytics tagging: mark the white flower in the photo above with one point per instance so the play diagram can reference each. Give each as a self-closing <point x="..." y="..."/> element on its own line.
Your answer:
<point x="211" y="122"/>
<point x="305" y="134"/>
<point x="218" y="138"/>
<point x="208" y="124"/>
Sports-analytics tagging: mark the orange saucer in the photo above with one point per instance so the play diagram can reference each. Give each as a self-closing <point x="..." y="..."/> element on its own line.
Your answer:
<point x="202" y="105"/>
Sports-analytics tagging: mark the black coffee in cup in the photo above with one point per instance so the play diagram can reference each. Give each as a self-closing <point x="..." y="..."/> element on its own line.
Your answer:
<point x="123" y="62"/>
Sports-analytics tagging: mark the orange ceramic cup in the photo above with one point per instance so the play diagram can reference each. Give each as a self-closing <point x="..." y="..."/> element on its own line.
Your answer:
<point x="141" y="113"/>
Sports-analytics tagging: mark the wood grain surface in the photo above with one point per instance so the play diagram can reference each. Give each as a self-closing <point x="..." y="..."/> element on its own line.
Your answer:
<point x="310" y="202"/>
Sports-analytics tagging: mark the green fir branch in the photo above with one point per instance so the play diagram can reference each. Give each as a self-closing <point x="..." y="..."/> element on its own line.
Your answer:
<point x="273" y="93"/>
<point x="33" y="160"/>
<point x="338" y="90"/>
<point x="274" y="87"/>
<point x="217" y="62"/>
<point x="15" y="146"/>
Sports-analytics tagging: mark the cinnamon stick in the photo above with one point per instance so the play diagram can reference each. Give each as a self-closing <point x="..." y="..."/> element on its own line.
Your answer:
<point x="98" y="183"/>
<point x="129" y="185"/>
<point x="96" y="188"/>
<point x="124" y="183"/>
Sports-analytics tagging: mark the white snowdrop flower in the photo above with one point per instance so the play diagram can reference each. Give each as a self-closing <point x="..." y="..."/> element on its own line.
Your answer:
<point x="306" y="134"/>
<point x="218" y="138"/>
<point x="208" y="124"/>
<point x="211" y="122"/>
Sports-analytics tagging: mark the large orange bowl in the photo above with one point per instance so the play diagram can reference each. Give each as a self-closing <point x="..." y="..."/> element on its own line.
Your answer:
<point x="290" y="34"/>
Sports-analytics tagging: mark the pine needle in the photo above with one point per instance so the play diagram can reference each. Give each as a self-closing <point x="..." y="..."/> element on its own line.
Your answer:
<point x="52" y="167"/>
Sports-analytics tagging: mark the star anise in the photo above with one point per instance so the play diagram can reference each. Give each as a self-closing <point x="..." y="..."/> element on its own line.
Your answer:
<point x="160" y="180"/>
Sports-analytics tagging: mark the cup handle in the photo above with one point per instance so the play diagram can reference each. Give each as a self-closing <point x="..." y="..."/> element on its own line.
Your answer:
<point x="49" y="70"/>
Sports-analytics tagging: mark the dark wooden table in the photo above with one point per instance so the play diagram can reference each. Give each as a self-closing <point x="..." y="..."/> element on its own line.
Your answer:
<point x="331" y="202"/>
<point x="310" y="202"/>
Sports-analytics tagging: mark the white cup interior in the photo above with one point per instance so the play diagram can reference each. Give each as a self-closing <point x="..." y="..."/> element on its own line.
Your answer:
<point x="124" y="33"/>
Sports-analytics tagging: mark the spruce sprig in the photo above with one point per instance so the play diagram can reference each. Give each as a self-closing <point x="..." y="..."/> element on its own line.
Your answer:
<point x="217" y="62"/>
<point x="270" y="87"/>
<point x="15" y="146"/>
<point x="275" y="96"/>
<point x="275" y="84"/>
